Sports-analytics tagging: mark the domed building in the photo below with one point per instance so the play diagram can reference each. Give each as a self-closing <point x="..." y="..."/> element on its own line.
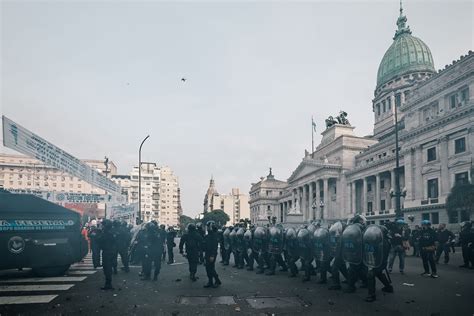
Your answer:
<point x="407" y="61"/>
<point x="349" y="174"/>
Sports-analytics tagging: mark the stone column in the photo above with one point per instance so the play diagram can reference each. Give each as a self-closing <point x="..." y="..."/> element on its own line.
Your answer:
<point x="293" y="198"/>
<point x="327" y="198"/>
<point x="353" y="196"/>
<point x="300" y="199"/>
<point x="318" y="199"/>
<point x="364" y="196"/>
<point x="408" y="178"/>
<point x="377" y="192"/>
<point x="417" y="176"/>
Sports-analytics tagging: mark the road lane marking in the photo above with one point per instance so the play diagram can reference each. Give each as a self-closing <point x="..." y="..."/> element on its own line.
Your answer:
<point x="81" y="272"/>
<point x="35" y="288"/>
<point x="43" y="280"/>
<point x="31" y="299"/>
<point x="81" y="268"/>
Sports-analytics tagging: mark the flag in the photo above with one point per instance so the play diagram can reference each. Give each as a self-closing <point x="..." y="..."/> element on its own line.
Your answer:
<point x="314" y="125"/>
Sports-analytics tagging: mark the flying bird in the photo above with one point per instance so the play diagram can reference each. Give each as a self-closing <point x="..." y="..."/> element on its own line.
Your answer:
<point x="183" y="79"/>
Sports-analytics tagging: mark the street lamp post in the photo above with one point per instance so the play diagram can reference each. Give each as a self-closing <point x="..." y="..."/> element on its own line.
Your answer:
<point x="106" y="163"/>
<point x="139" y="219"/>
<point x="397" y="193"/>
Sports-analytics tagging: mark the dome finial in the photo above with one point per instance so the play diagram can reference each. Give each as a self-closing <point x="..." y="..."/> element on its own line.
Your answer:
<point x="401" y="23"/>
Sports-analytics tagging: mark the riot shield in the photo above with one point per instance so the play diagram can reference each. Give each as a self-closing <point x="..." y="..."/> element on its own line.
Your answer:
<point x="373" y="241"/>
<point x="275" y="243"/>
<point x="320" y="243"/>
<point x="335" y="233"/>
<point x="352" y="244"/>
<point x="226" y="237"/>
<point x="239" y="238"/>
<point x="259" y="237"/>
<point x="233" y="240"/>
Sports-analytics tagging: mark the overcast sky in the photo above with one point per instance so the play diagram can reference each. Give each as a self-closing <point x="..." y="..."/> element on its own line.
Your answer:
<point x="95" y="78"/>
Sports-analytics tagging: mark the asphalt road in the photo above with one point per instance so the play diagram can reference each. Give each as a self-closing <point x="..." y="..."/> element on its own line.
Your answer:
<point x="242" y="293"/>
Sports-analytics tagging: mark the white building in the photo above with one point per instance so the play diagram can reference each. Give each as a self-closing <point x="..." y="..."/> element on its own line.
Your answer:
<point x="349" y="174"/>
<point x="234" y="204"/>
<point x="160" y="194"/>
<point x="18" y="172"/>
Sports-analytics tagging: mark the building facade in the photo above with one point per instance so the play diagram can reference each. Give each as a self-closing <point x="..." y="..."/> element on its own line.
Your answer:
<point x="160" y="193"/>
<point x="235" y="204"/>
<point x="348" y="174"/>
<point x="25" y="174"/>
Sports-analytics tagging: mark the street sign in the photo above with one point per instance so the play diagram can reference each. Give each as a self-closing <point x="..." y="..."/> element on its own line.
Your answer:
<point x="26" y="142"/>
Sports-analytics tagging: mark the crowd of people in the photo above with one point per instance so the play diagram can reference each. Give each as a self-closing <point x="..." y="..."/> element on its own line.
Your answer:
<point x="357" y="251"/>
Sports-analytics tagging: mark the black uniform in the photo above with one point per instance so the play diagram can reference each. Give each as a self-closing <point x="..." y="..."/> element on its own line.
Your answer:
<point x="108" y="244"/>
<point x="210" y="254"/>
<point x="170" y="244"/>
<point x="95" y="247"/>
<point x="444" y="239"/>
<point x="153" y="251"/>
<point x="192" y="240"/>
<point x="427" y="249"/>
<point x="466" y="239"/>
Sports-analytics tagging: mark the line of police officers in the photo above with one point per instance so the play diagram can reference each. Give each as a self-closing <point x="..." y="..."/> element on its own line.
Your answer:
<point x="354" y="249"/>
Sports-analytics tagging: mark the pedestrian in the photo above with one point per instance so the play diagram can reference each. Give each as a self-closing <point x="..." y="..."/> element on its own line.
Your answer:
<point x="163" y="238"/>
<point x="192" y="241"/>
<point x="445" y="237"/>
<point x="427" y="249"/>
<point x="108" y="244"/>
<point x="210" y="254"/>
<point x="397" y="245"/>
<point x="170" y="244"/>
<point x="200" y="229"/>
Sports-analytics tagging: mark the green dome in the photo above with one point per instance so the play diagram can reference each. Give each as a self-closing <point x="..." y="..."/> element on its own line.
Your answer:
<point x="406" y="54"/>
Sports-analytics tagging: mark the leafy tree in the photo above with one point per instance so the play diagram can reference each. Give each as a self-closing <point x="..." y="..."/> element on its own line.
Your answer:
<point x="184" y="221"/>
<point x="461" y="197"/>
<point x="218" y="216"/>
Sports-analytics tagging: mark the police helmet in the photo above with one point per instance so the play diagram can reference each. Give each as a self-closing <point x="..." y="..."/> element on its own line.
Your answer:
<point x="107" y="224"/>
<point x="466" y="225"/>
<point x="358" y="219"/>
<point x="211" y="225"/>
<point x="425" y="222"/>
<point x="191" y="226"/>
<point x="400" y="221"/>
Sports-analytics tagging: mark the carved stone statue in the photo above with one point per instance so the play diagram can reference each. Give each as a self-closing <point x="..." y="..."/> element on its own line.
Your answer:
<point x="340" y="119"/>
<point x="330" y="121"/>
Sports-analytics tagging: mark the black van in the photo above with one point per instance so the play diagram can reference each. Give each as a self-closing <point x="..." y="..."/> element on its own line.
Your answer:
<point x="38" y="234"/>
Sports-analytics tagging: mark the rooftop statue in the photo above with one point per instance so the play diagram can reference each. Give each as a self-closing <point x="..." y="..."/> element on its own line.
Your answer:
<point x="340" y="119"/>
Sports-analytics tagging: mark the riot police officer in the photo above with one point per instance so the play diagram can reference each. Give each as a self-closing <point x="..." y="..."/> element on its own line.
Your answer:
<point x="428" y="240"/>
<point x="227" y="245"/>
<point x="239" y="247"/>
<point x="291" y="247"/>
<point x="210" y="255"/>
<point x="202" y="233"/>
<point x="153" y="251"/>
<point x="192" y="240"/>
<point x="170" y="244"/>
<point x="375" y="255"/>
<point x="275" y="248"/>
<point x="466" y="239"/>
<point x="335" y="244"/>
<point x="95" y="247"/>
<point x="352" y="252"/>
<point x="305" y="253"/>
<point x="259" y="245"/>
<point x="108" y="245"/>
<point x="322" y="252"/>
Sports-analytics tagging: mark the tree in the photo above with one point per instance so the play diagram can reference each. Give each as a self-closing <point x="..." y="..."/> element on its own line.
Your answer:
<point x="460" y="198"/>
<point x="218" y="216"/>
<point x="184" y="221"/>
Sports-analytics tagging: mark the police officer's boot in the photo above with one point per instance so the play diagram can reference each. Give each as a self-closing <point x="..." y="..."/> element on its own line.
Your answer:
<point x="209" y="284"/>
<point x="155" y="277"/>
<point x="193" y="277"/>
<point x="217" y="283"/>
